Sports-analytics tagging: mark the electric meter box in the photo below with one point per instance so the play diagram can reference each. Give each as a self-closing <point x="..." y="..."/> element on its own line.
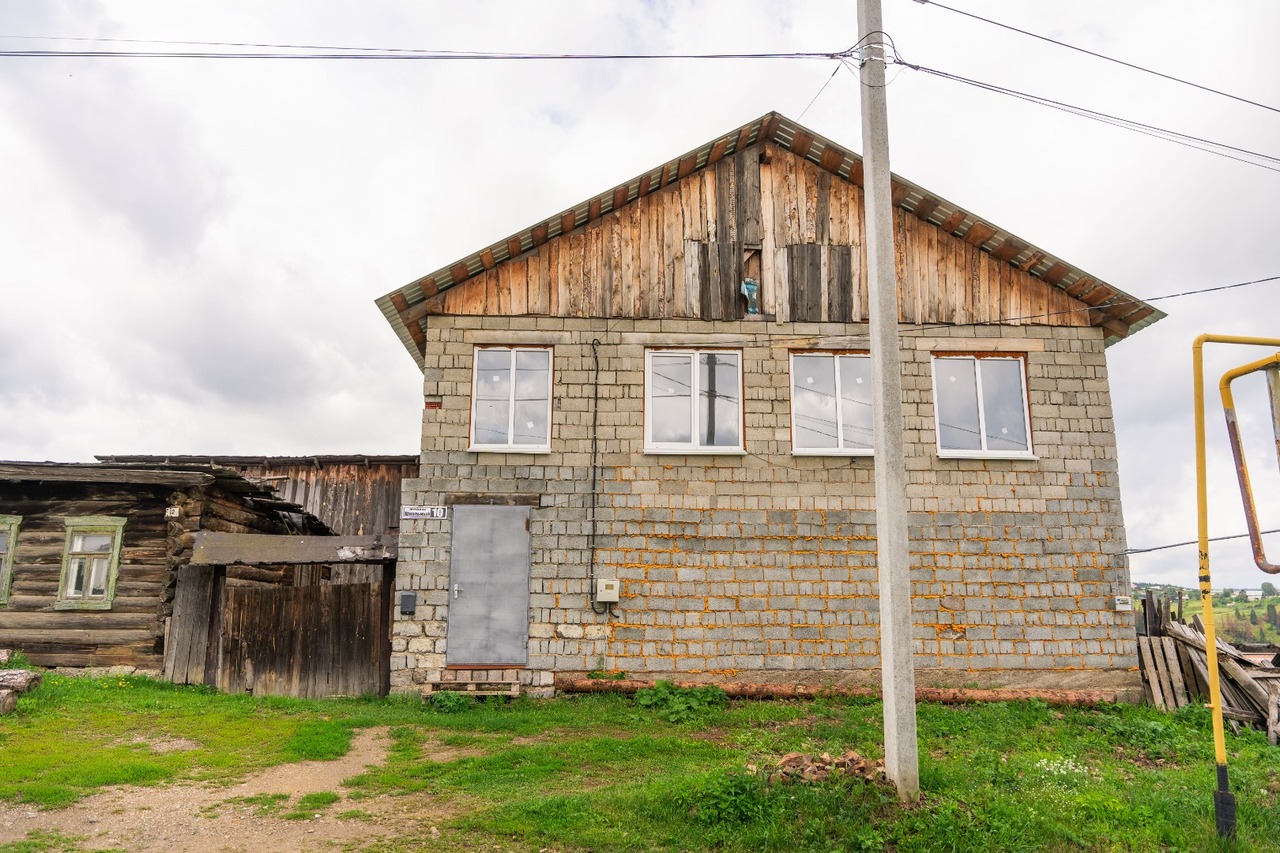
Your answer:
<point x="607" y="590"/>
<point x="1122" y="603"/>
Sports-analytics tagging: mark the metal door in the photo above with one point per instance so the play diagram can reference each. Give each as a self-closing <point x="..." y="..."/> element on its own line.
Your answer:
<point x="489" y="586"/>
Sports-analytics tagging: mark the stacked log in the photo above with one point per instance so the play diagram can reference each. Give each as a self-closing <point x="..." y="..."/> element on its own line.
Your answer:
<point x="13" y="682"/>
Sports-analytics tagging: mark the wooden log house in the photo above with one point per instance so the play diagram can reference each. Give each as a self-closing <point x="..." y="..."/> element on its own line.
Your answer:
<point x="645" y="442"/>
<point x="89" y="553"/>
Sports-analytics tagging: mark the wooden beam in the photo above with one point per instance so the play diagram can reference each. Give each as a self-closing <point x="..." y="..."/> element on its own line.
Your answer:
<point x="416" y="312"/>
<point x="717" y="151"/>
<point x="646" y="184"/>
<point x="401" y="304"/>
<point x="1080" y="287"/>
<point x="77" y="473"/>
<point x="486" y="259"/>
<point x="593" y="211"/>
<point x="801" y="142"/>
<point x="429" y="287"/>
<point x="459" y="273"/>
<point x="743" y="136"/>
<point x="1097" y="296"/>
<point x="255" y="549"/>
<point x="769" y="127"/>
<point x="1055" y="273"/>
<point x="1009" y="249"/>
<point x="568" y="221"/>
<point x="926" y="207"/>
<point x="539" y="233"/>
<point x="832" y="159"/>
<point x="1031" y="261"/>
<point x="898" y="192"/>
<point x="1143" y="312"/>
<point x="952" y="222"/>
<point x="514" y="247"/>
<point x="855" y="173"/>
<point x="619" y="197"/>
<point x="665" y="176"/>
<point x="687" y="164"/>
<point x="979" y="233"/>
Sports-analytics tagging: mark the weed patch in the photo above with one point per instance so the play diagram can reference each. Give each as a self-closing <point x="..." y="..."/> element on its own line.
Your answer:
<point x="680" y="704"/>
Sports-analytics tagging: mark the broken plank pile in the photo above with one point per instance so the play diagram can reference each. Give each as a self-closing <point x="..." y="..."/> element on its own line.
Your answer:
<point x="1175" y="672"/>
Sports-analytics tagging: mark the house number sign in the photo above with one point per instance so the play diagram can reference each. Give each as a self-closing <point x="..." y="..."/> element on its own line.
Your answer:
<point x="437" y="512"/>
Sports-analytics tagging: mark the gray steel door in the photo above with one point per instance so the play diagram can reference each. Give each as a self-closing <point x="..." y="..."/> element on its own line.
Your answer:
<point x="489" y="585"/>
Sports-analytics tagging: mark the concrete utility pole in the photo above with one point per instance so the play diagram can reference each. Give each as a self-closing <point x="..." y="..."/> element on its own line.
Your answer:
<point x="897" y="672"/>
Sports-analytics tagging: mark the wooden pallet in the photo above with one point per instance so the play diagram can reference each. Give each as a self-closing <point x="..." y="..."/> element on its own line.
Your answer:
<point x="474" y="688"/>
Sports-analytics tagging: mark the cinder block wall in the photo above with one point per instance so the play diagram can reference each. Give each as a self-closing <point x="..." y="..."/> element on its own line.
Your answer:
<point x="761" y="567"/>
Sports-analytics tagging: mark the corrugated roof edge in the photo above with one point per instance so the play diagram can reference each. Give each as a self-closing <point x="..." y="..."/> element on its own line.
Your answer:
<point x="1118" y="312"/>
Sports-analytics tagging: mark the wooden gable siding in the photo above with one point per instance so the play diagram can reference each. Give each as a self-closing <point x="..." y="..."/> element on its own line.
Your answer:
<point x="764" y="213"/>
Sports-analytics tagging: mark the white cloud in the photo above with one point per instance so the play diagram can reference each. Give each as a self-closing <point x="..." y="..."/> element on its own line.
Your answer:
<point x="192" y="248"/>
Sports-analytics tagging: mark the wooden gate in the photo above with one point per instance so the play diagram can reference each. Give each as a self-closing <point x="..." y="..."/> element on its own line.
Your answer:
<point x="328" y="639"/>
<point x="305" y="641"/>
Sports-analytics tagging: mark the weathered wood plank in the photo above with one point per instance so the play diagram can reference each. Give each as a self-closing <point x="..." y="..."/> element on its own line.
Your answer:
<point x="1175" y="670"/>
<point x="251" y="549"/>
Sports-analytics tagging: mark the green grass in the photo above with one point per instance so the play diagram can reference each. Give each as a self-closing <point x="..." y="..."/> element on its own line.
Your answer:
<point x="606" y="772"/>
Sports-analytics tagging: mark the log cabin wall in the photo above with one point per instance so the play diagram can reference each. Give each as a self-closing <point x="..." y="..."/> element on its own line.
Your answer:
<point x="131" y="633"/>
<point x="160" y="518"/>
<point x="683" y="251"/>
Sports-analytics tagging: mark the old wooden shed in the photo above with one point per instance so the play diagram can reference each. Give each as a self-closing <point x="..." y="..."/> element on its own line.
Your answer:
<point x="89" y="553"/>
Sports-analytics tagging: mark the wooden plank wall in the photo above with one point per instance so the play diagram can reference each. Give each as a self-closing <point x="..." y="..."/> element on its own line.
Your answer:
<point x="681" y="253"/>
<point x="353" y="498"/>
<point x="131" y="632"/>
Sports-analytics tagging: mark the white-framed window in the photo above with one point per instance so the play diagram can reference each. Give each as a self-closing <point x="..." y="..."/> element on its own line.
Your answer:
<point x="692" y="401"/>
<point x="980" y="406"/>
<point x="511" y="399"/>
<point x="8" y="541"/>
<point x="90" y="562"/>
<point x="831" y="404"/>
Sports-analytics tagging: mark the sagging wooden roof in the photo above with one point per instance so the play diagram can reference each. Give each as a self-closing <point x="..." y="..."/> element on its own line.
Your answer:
<point x="176" y="476"/>
<point x="1105" y="305"/>
<point x="354" y="494"/>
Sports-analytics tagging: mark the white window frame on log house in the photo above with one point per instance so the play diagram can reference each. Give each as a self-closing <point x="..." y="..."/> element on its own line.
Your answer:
<point x="971" y="416"/>
<point x="512" y="401"/>
<point x="848" y="426"/>
<point x="698" y="423"/>
<point x="83" y="564"/>
<point x="9" y="525"/>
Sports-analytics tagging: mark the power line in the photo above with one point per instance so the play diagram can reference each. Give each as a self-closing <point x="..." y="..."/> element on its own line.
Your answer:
<point x="1208" y="146"/>
<point x="401" y="54"/>
<point x="1192" y="542"/>
<point x="1102" y="56"/>
<point x="1133" y="301"/>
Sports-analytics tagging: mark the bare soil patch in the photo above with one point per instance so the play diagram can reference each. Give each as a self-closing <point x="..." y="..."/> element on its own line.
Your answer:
<point x="207" y="818"/>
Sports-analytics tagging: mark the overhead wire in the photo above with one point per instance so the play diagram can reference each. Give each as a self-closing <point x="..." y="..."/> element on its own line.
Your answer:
<point x="1208" y="146"/>
<point x="1102" y="56"/>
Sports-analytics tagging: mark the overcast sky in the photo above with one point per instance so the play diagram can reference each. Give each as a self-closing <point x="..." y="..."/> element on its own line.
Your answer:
<point x="190" y="249"/>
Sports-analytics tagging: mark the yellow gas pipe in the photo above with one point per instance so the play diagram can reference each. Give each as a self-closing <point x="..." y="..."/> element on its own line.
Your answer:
<point x="1224" y="804"/>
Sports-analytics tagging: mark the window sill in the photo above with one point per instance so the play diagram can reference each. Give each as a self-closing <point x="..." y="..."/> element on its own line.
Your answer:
<point x="667" y="450"/>
<point x="978" y="454"/>
<point x="507" y="448"/>
<point x="830" y="451"/>
<point x="70" y="604"/>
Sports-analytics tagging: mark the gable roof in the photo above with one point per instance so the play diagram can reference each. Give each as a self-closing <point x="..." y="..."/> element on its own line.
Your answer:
<point x="1116" y="311"/>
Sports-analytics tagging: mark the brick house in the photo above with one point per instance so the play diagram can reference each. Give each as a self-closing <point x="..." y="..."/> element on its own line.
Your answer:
<point x="662" y="394"/>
